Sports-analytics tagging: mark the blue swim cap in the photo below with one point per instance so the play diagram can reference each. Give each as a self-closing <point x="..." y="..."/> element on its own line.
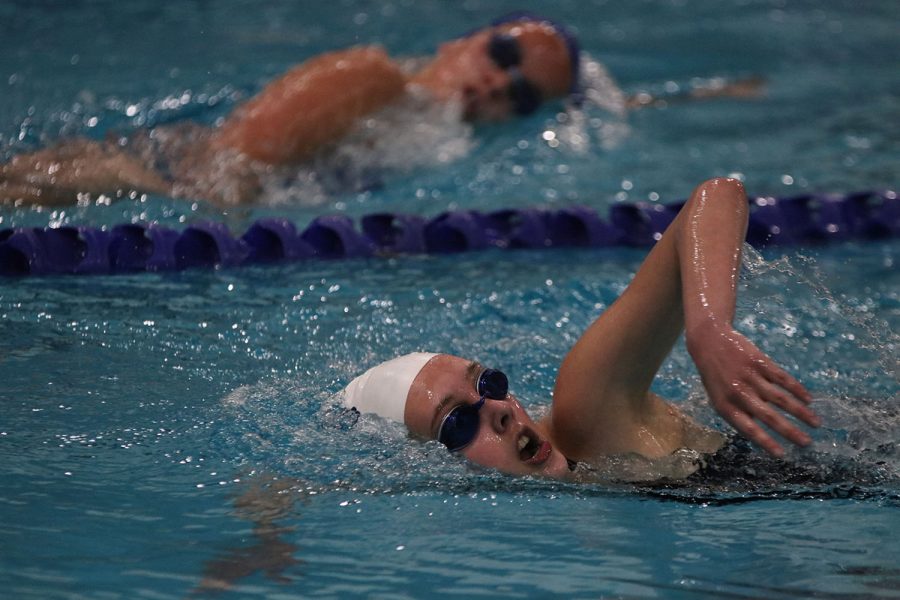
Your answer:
<point x="567" y="36"/>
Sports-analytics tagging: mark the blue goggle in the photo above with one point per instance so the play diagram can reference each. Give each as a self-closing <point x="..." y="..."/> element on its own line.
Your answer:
<point x="460" y="426"/>
<point x="506" y="52"/>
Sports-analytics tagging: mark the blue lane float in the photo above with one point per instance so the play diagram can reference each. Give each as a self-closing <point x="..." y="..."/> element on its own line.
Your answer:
<point x="136" y="247"/>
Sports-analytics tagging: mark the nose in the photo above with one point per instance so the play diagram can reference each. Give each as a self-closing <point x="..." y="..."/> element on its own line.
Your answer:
<point x="493" y="84"/>
<point x="499" y="415"/>
<point x="485" y="97"/>
<point x="496" y="78"/>
<point x="486" y="81"/>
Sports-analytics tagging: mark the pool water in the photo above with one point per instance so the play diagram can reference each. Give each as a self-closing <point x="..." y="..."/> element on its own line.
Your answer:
<point x="164" y="434"/>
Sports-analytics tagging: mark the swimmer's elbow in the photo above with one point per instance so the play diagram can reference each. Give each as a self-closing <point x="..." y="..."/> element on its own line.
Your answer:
<point x="723" y="186"/>
<point x="723" y="193"/>
<point x="719" y="200"/>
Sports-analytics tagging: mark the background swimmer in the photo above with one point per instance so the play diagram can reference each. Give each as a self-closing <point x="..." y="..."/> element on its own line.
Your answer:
<point x="602" y="404"/>
<point x="504" y="70"/>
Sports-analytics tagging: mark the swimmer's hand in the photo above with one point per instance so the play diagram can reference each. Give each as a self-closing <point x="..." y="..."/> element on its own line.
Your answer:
<point x="748" y="88"/>
<point x="747" y="388"/>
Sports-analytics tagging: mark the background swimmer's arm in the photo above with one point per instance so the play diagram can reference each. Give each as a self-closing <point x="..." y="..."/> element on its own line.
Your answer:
<point x="55" y="176"/>
<point x="312" y="105"/>
<point x="602" y="403"/>
<point x="746" y="88"/>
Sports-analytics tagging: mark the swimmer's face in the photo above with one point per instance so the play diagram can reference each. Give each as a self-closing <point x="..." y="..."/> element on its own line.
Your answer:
<point x="468" y="71"/>
<point x="447" y="382"/>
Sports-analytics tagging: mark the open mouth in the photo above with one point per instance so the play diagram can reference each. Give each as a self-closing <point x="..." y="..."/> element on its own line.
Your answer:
<point x="532" y="449"/>
<point x="470" y="105"/>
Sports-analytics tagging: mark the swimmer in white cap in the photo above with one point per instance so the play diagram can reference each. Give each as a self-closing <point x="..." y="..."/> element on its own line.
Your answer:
<point x="602" y="403"/>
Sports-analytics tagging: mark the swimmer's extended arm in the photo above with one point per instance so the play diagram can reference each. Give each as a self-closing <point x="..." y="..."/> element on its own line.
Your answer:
<point x="746" y="88"/>
<point x="312" y="105"/>
<point x="602" y="403"/>
<point x="55" y="176"/>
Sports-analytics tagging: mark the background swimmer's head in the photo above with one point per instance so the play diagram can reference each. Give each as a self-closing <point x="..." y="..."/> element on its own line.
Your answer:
<point x="462" y="404"/>
<point x="508" y="68"/>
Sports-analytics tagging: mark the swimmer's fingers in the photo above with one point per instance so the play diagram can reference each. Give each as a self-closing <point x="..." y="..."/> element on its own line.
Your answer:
<point x="788" y="402"/>
<point x="780" y="377"/>
<point x="746" y="426"/>
<point x="752" y="393"/>
<point x="763" y="412"/>
<point x="756" y="402"/>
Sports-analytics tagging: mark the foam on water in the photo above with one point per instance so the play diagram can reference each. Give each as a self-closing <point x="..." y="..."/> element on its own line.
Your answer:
<point x="294" y="426"/>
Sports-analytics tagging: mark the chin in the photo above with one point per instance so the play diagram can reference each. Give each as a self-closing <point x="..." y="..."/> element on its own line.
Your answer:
<point x="557" y="467"/>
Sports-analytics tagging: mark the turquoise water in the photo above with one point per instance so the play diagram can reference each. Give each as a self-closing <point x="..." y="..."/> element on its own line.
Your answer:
<point x="141" y="412"/>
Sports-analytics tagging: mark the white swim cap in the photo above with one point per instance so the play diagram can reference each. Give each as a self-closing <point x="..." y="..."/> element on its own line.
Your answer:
<point x="383" y="389"/>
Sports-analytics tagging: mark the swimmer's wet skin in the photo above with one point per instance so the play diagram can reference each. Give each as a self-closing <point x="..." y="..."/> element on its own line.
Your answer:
<point x="602" y="405"/>
<point x="463" y="405"/>
<point x="385" y="388"/>
<point x="509" y="68"/>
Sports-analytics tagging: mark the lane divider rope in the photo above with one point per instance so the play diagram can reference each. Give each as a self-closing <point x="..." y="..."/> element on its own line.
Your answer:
<point x="134" y="247"/>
